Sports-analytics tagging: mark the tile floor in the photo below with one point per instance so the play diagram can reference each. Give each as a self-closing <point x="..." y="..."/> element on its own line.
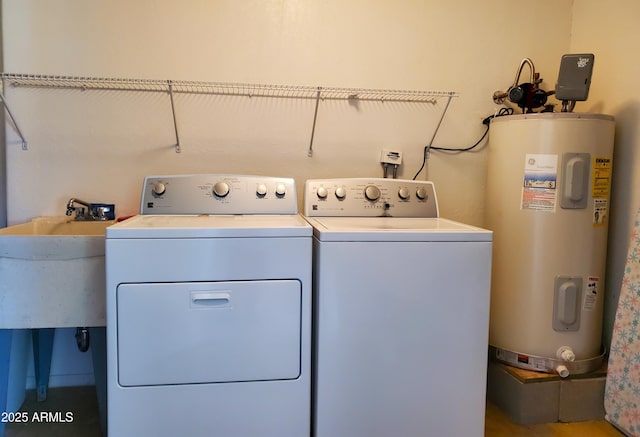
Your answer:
<point x="81" y="401"/>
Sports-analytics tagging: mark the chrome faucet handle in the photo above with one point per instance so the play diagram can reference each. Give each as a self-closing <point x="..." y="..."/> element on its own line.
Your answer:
<point x="94" y="211"/>
<point x="101" y="213"/>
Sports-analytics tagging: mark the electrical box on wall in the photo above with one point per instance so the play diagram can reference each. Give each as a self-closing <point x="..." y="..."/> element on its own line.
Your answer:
<point x="392" y="157"/>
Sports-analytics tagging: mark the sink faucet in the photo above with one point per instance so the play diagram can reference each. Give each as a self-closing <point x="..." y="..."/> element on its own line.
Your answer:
<point x="93" y="211"/>
<point x="80" y="212"/>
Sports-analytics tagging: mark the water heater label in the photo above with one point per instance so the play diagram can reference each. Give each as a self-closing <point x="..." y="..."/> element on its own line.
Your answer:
<point x="540" y="182"/>
<point x="521" y="360"/>
<point x="600" y="189"/>
<point x="601" y="177"/>
<point x="591" y="296"/>
<point x="600" y="210"/>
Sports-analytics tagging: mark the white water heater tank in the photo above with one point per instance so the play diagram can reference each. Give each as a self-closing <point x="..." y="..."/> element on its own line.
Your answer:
<point x="548" y="191"/>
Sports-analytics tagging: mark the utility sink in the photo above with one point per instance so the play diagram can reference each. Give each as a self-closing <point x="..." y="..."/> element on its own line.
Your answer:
<point x="52" y="274"/>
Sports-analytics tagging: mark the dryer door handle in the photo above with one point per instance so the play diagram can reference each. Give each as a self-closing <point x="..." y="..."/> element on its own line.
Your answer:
<point x="210" y="299"/>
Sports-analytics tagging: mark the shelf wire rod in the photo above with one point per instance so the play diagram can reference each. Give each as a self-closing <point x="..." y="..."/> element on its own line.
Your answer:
<point x="173" y="112"/>
<point x="315" y="118"/>
<point x="435" y="132"/>
<point x="13" y="121"/>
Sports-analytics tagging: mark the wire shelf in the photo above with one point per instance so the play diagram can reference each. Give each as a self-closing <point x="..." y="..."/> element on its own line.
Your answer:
<point x="223" y="88"/>
<point x="218" y="88"/>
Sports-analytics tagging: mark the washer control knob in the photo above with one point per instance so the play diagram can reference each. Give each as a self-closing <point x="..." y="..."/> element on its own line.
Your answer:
<point x="341" y="192"/>
<point x="159" y="188"/>
<point x="372" y="193"/>
<point x="261" y="190"/>
<point x="281" y="190"/>
<point x="403" y="193"/>
<point x="421" y="193"/>
<point x="322" y="193"/>
<point x="221" y="189"/>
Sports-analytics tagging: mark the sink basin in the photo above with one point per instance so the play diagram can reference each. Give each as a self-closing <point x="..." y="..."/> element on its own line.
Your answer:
<point x="53" y="274"/>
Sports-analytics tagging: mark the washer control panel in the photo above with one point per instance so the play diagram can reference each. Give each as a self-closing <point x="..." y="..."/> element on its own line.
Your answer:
<point x="218" y="194"/>
<point x="369" y="197"/>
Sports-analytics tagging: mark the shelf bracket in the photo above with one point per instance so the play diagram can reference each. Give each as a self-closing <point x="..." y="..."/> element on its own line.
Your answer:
<point x="435" y="132"/>
<point x="13" y="121"/>
<point x="173" y="112"/>
<point x="315" y="118"/>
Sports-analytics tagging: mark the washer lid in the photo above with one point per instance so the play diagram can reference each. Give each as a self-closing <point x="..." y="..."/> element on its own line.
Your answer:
<point x="394" y="229"/>
<point x="208" y="226"/>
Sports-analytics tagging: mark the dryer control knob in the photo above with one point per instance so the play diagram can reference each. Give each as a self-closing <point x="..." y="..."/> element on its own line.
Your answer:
<point x="159" y="188"/>
<point x="403" y="193"/>
<point x="341" y="193"/>
<point x="421" y="193"/>
<point x="221" y="189"/>
<point x="261" y="190"/>
<point x="281" y="190"/>
<point x="322" y="193"/>
<point x="372" y="193"/>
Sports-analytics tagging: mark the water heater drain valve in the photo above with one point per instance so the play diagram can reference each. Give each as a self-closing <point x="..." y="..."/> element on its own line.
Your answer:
<point x="565" y="353"/>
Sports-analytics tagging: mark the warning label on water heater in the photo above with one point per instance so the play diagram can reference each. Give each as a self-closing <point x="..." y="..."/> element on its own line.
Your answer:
<point x="591" y="295"/>
<point x="601" y="177"/>
<point x="540" y="181"/>
<point x="600" y="189"/>
<point x="600" y="209"/>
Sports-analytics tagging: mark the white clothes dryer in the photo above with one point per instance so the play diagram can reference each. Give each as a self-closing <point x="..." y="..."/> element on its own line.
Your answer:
<point x="209" y="310"/>
<point x="401" y="312"/>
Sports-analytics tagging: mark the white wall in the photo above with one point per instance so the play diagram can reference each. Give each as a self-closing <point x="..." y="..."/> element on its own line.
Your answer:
<point x="114" y="139"/>
<point x="98" y="145"/>
<point x="610" y="31"/>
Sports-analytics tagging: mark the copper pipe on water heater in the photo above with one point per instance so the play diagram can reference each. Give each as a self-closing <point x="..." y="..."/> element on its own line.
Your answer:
<point x="532" y="78"/>
<point x="499" y="96"/>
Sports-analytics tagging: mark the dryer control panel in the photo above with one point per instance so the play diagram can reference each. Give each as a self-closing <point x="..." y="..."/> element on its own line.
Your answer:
<point x="369" y="197"/>
<point x="218" y="194"/>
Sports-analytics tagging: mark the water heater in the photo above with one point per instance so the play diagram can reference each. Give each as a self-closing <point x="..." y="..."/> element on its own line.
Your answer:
<point x="548" y="203"/>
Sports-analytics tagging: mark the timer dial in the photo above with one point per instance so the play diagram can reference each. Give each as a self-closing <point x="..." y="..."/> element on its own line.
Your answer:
<point x="159" y="188"/>
<point x="372" y="193"/>
<point x="221" y="189"/>
<point x="322" y="193"/>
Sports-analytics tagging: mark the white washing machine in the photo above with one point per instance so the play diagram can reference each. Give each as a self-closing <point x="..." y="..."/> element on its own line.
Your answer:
<point x="209" y="310"/>
<point x="401" y="312"/>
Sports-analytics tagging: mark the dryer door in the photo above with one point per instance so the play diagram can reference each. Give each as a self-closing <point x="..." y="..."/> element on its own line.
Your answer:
<point x="208" y="332"/>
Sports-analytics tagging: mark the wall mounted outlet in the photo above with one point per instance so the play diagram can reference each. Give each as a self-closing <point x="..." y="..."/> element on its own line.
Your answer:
<point x="393" y="157"/>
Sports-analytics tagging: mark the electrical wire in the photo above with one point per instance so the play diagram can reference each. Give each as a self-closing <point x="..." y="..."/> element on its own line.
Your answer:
<point x="487" y="122"/>
<point x="435" y="132"/>
<point x="466" y="149"/>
